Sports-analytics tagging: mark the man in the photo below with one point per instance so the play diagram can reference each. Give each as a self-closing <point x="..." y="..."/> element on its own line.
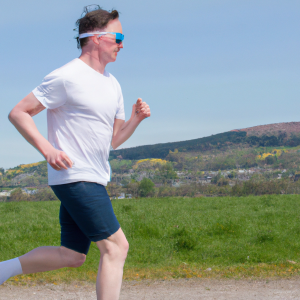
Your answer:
<point x="85" y="114"/>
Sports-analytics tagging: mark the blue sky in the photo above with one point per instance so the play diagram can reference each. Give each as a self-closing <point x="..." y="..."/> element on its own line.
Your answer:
<point x="204" y="67"/>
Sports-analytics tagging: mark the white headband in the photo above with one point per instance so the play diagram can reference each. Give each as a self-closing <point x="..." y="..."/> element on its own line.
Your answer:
<point x="84" y="35"/>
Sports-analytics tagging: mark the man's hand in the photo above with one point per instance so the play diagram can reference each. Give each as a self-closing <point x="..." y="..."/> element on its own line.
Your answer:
<point x="141" y="109"/>
<point x="123" y="131"/>
<point x="58" y="160"/>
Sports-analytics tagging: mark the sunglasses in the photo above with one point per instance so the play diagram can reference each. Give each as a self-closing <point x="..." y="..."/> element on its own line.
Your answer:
<point x="118" y="36"/>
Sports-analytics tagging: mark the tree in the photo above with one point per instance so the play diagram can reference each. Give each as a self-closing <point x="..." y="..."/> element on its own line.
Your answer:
<point x="133" y="188"/>
<point x="216" y="178"/>
<point x="18" y="195"/>
<point x="223" y="181"/>
<point x="270" y="160"/>
<point x="113" y="189"/>
<point x="167" y="173"/>
<point x="45" y="194"/>
<point x="146" y="187"/>
<point x="232" y="175"/>
<point x="125" y="181"/>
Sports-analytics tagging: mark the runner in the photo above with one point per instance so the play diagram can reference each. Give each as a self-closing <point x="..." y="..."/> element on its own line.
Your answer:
<point x="85" y="114"/>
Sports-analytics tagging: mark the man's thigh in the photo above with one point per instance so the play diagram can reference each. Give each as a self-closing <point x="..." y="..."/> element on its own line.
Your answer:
<point x="72" y="237"/>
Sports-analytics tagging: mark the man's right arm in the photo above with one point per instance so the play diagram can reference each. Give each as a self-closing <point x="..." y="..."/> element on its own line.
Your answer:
<point x="21" y="117"/>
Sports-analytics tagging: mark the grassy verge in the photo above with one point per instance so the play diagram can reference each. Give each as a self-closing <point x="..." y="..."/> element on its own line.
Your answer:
<point x="174" y="237"/>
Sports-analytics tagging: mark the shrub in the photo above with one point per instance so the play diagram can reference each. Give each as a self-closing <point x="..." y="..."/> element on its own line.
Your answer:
<point x="18" y="195"/>
<point x="252" y="187"/>
<point x="146" y="187"/>
<point x="45" y="194"/>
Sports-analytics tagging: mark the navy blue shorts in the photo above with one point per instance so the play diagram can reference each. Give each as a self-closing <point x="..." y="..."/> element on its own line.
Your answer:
<point x="86" y="214"/>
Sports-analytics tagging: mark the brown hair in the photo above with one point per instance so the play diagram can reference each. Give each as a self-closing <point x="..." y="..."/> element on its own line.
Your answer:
<point x="94" y="18"/>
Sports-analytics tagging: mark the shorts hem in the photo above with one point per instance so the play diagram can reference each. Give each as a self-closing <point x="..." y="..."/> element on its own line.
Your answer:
<point x="103" y="236"/>
<point x="76" y="250"/>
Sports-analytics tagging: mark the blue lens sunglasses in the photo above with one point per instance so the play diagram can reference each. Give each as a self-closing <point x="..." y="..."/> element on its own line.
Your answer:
<point x="119" y="36"/>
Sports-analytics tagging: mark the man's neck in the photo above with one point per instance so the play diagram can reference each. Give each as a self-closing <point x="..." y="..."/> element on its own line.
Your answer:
<point x="92" y="60"/>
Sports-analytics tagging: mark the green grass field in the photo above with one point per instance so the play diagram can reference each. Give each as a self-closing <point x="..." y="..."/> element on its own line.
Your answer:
<point x="174" y="237"/>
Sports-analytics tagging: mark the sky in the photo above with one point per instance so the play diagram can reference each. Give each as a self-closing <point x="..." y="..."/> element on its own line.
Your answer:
<point x="203" y="66"/>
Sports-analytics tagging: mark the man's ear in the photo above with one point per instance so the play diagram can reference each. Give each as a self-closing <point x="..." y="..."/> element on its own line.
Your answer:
<point x="96" y="39"/>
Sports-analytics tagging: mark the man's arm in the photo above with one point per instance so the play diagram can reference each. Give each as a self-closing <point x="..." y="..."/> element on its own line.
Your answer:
<point x="123" y="131"/>
<point x="21" y="117"/>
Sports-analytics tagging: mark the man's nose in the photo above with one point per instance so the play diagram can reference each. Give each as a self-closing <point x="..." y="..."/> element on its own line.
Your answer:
<point x="121" y="45"/>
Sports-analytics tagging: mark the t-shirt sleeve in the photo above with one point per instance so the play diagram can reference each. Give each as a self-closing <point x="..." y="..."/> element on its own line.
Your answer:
<point x="120" y="114"/>
<point x="51" y="92"/>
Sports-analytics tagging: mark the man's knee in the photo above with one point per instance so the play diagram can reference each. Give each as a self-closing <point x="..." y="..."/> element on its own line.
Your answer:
<point x="124" y="247"/>
<point x="72" y="258"/>
<point x="115" y="250"/>
<point x="78" y="261"/>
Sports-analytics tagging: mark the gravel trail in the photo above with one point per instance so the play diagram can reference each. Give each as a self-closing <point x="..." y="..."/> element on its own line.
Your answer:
<point x="207" y="289"/>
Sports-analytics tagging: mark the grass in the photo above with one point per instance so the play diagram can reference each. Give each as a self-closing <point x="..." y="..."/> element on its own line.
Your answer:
<point x="173" y="237"/>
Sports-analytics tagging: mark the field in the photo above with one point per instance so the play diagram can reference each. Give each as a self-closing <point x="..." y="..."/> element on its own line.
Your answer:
<point x="173" y="237"/>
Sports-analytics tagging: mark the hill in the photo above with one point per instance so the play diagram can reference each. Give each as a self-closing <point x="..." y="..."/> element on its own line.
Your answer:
<point x="272" y="129"/>
<point x="30" y="175"/>
<point x="271" y="135"/>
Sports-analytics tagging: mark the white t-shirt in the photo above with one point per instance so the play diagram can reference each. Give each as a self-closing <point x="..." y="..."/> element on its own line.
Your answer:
<point x="82" y="105"/>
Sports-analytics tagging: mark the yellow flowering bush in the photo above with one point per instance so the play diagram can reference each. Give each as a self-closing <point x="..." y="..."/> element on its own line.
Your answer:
<point x="274" y="152"/>
<point x="14" y="172"/>
<point x="152" y="161"/>
<point x="29" y="165"/>
<point x="21" y="168"/>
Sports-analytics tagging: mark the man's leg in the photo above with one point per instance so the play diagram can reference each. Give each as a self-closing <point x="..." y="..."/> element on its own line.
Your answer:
<point x="113" y="254"/>
<point x="45" y="259"/>
<point x="50" y="258"/>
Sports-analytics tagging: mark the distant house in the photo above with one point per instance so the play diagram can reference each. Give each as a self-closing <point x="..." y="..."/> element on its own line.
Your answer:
<point x="29" y="192"/>
<point x="176" y="184"/>
<point x="180" y="173"/>
<point x="119" y="157"/>
<point x="4" y="194"/>
<point x="203" y="180"/>
<point x="122" y="196"/>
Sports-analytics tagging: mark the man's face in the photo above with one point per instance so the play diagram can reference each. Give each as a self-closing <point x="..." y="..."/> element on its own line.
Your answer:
<point x="108" y="48"/>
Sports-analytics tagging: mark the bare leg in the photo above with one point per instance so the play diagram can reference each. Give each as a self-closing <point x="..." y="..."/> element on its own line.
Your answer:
<point x="113" y="254"/>
<point x="50" y="258"/>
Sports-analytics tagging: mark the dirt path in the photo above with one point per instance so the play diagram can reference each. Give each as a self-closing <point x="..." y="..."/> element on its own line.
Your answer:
<point x="165" y="290"/>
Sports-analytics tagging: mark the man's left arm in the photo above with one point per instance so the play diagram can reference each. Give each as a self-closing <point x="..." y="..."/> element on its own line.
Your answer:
<point x="123" y="130"/>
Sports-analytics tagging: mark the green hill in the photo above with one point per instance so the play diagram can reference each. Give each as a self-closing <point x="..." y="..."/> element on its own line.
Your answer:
<point x="217" y="141"/>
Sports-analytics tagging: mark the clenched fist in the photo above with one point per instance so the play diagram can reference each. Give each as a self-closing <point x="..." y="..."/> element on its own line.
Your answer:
<point x="141" y="109"/>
